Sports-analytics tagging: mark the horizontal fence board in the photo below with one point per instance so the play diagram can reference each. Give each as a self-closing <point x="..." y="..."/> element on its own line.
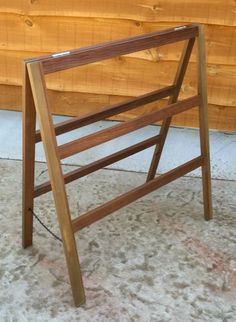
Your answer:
<point x="34" y="28"/>
<point x="38" y="34"/>
<point x="218" y="12"/>
<point x="77" y="104"/>
<point x="125" y="76"/>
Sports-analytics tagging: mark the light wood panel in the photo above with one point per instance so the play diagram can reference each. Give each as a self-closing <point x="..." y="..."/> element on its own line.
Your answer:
<point x="38" y="34"/>
<point x="215" y="12"/>
<point x="126" y="77"/>
<point x="33" y="28"/>
<point x="72" y="103"/>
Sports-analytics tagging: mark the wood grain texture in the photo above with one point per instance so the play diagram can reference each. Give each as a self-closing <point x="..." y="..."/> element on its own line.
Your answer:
<point x="221" y="117"/>
<point x="204" y="131"/>
<point x="47" y="34"/>
<point x="115" y="131"/>
<point x="57" y="181"/>
<point x="179" y="77"/>
<point x="34" y="28"/>
<point x="132" y="195"/>
<point x="36" y="70"/>
<point x="115" y="48"/>
<point x="28" y="154"/>
<point x="125" y="76"/>
<point x="204" y="11"/>
<point x="99" y="164"/>
<point x="106" y="112"/>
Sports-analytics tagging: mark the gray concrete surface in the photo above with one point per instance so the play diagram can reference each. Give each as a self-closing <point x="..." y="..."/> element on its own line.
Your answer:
<point x="155" y="260"/>
<point x="181" y="146"/>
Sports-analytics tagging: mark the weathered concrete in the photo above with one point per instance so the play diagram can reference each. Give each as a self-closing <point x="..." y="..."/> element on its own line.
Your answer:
<point x="155" y="260"/>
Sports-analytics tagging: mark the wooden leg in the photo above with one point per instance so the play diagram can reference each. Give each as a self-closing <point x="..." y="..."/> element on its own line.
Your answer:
<point x="204" y="132"/>
<point x="166" y="123"/>
<point x="57" y="180"/>
<point x="29" y="120"/>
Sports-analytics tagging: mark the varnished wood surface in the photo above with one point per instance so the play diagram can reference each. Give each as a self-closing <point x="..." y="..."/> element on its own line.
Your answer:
<point x="203" y="120"/>
<point x="179" y="77"/>
<point x="104" y="113"/>
<point x="28" y="129"/>
<point x="78" y="57"/>
<point x="94" y="166"/>
<point x="115" y="131"/>
<point x="123" y="200"/>
<point x="36" y="72"/>
<point x="57" y="181"/>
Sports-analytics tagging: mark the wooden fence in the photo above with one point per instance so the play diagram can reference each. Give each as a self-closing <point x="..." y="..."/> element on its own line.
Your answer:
<point x="33" y="28"/>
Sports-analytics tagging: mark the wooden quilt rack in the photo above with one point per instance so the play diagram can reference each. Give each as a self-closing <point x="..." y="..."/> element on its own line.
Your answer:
<point x="35" y="102"/>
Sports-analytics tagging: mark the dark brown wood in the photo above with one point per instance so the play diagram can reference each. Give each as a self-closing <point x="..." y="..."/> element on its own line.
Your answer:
<point x="29" y="121"/>
<point x="96" y="165"/>
<point x="104" y="113"/>
<point x="179" y="77"/>
<point x="105" y="135"/>
<point x="203" y="120"/>
<point x="123" y="200"/>
<point x="91" y="54"/>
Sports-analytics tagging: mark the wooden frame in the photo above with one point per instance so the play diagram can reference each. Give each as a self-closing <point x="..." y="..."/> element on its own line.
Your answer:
<point x="35" y="102"/>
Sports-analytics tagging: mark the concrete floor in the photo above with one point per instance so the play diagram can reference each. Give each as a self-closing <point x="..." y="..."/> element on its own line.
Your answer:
<point x="155" y="260"/>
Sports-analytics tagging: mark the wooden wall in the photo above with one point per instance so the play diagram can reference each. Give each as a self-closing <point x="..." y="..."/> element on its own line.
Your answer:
<point x="35" y="27"/>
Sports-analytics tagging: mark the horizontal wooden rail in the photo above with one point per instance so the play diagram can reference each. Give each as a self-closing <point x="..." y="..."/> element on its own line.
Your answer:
<point x="123" y="200"/>
<point x="91" y="54"/>
<point x="99" y="164"/>
<point x="113" y="132"/>
<point x="127" y="105"/>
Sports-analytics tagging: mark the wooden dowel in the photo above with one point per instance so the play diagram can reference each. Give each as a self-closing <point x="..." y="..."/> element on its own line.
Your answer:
<point x="78" y="122"/>
<point x="91" y="54"/>
<point x="113" y="132"/>
<point x="123" y="200"/>
<point x="96" y="165"/>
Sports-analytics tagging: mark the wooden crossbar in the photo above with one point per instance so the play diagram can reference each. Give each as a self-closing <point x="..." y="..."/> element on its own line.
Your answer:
<point x="35" y="103"/>
<point x="113" y="132"/>
<point x="78" y="57"/>
<point x="99" y="164"/>
<point x="125" y="199"/>
<point x="104" y="113"/>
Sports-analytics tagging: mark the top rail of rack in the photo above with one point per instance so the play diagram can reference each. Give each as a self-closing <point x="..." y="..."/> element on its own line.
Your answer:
<point x="86" y="55"/>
